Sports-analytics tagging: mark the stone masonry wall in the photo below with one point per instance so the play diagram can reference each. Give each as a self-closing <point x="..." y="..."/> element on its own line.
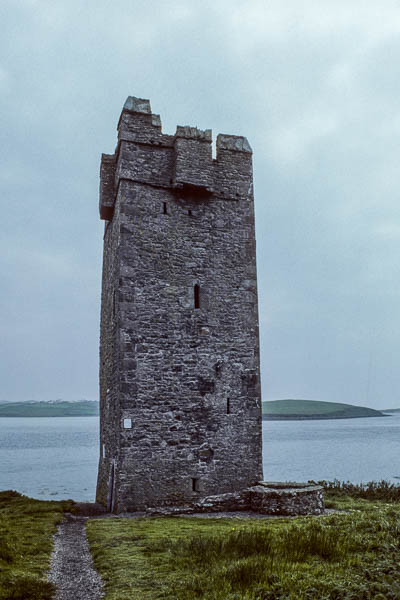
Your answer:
<point x="179" y="355"/>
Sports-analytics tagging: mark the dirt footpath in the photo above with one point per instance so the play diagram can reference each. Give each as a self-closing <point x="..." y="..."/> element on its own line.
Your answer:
<point x="71" y="567"/>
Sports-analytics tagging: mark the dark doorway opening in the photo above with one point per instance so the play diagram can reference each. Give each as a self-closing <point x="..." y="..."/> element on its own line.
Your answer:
<point x="110" y="495"/>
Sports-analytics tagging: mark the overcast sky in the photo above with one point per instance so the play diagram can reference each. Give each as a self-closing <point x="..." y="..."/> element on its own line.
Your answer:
<point x="313" y="85"/>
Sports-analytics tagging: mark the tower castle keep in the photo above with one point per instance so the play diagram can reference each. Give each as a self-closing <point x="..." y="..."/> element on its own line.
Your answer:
<point x="180" y="399"/>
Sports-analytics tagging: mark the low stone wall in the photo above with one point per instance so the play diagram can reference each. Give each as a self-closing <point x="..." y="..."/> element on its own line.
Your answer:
<point x="287" y="499"/>
<point x="268" y="498"/>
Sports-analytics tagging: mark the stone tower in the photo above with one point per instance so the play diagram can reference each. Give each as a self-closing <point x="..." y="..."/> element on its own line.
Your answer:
<point x="180" y="398"/>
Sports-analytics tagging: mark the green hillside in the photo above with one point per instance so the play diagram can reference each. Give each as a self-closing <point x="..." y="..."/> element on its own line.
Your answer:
<point x="314" y="409"/>
<point x="83" y="408"/>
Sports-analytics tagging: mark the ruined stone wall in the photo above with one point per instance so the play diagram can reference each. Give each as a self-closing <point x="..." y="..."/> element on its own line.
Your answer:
<point x="179" y="369"/>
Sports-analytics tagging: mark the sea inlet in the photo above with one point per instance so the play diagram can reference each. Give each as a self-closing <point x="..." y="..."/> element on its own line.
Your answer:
<point x="56" y="457"/>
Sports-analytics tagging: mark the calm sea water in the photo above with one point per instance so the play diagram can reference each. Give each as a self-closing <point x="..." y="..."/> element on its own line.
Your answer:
<point x="50" y="458"/>
<point x="56" y="458"/>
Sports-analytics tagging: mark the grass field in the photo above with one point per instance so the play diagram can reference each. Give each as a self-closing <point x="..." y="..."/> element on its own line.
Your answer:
<point x="348" y="555"/>
<point x="26" y="529"/>
<point x="353" y="555"/>
<point x="287" y="409"/>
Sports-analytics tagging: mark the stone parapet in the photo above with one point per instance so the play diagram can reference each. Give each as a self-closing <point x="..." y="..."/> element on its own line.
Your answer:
<point x="193" y="159"/>
<point x="235" y="143"/>
<point x="182" y="162"/>
<point x="137" y="105"/>
<point x="185" y="131"/>
<point x="287" y="498"/>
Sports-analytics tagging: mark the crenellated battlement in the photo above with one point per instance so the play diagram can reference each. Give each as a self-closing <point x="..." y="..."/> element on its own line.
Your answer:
<point x="185" y="131"/>
<point x="180" y="162"/>
<point x="193" y="159"/>
<point x="236" y="143"/>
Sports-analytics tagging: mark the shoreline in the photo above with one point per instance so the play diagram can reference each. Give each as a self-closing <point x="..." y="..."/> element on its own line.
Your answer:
<point x="269" y="417"/>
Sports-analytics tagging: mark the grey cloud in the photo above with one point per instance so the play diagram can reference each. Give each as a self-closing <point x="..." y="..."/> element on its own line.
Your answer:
<point x="313" y="87"/>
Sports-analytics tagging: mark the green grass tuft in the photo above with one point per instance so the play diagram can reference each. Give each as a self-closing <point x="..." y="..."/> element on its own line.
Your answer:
<point x="373" y="490"/>
<point x="297" y="543"/>
<point x="25" y="587"/>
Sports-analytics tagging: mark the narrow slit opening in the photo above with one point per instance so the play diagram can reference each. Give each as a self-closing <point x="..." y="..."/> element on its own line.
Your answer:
<point x="228" y="406"/>
<point x="195" y="484"/>
<point x="197" y="296"/>
<point x="165" y="208"/>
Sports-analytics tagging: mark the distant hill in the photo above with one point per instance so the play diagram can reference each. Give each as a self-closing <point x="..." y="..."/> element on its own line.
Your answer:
<point x="82" y="408"/>
<point x="391" y="410"/>
<point x="281" y="410"/>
